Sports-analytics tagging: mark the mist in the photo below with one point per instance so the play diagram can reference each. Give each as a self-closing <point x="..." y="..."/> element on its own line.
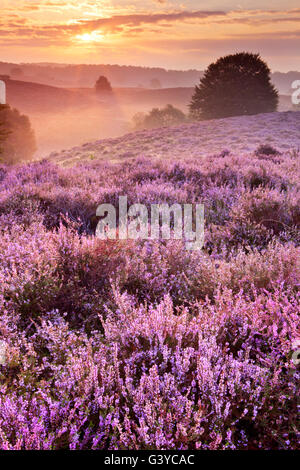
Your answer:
<point x="68" y="117"/>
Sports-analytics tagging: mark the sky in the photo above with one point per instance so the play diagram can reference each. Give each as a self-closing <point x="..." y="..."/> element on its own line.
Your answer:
<point x="175" y="34"/>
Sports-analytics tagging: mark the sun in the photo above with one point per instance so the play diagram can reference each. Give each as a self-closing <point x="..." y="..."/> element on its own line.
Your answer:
<point x="94" y="36"/>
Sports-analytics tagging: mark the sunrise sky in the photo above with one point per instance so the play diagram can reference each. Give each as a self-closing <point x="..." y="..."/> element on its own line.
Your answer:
<point x="173" y="34"/>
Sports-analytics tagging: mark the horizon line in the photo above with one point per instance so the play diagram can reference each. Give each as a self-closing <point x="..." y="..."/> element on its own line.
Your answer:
<point x="124" y="65"/>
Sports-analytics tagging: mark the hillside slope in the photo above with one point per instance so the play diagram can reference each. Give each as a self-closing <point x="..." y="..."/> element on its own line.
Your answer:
<point x="28" y="96"/>
<point x="36" y="97"/>
<point x="238" y="134"/>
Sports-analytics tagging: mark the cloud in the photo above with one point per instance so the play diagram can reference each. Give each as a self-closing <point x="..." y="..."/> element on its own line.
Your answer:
<point x="135" y="20"/>
<point x="139" y="22"/>
<point x="114" y="23"/>
<point x="209" y="32"/>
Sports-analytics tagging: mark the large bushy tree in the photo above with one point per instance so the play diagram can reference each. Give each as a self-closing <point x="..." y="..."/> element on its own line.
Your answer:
<point x="17" y="139"/>
<point x="237" y="84"/>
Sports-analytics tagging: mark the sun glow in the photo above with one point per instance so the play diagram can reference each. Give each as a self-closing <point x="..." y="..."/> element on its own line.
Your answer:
<point x="94" y="36"/>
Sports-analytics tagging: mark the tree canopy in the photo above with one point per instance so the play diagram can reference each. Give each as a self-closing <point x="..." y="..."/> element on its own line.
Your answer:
<point x="167" y="116"/>
<point x="17" y="139"/>
<point x="103" y="85"/>
<point x="237" y="84"/>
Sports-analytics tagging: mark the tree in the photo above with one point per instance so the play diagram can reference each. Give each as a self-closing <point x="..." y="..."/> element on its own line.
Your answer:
<point x="4" y="132"/>
<point x="155" y="83"/>
<point x="17" y="139"/>
<point x="103" y="85"/>
<point x="167" y="116"/>
<point x="235" y="85"/>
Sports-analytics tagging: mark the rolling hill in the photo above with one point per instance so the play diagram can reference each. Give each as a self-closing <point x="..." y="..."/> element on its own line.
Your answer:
<point x="65" y="118"/>
<point x="240" y="135"/>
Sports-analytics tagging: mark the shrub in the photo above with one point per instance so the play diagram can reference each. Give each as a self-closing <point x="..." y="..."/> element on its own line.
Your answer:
<point x="168" y="116"/>
<point x="156" y="379"/>
<point x="266" y="149"/>
<point x="262" y="207"/>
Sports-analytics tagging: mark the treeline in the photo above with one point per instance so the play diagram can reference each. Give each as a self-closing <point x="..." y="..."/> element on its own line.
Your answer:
<point x="121" y="75"/>
<point x="86" y="75"/>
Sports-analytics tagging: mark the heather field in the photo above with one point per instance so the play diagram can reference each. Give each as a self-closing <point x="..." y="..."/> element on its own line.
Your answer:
<point x="141" y="344"/>
<point x="241" y="135"/>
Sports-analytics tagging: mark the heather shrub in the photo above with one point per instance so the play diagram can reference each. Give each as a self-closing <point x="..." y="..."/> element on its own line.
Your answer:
<point x="19" y="203"/>
<point x="156" y="269"/>
<point x="156" y="380"/>
<point x="263" y="177"/>
<point x="277" y="265"/>
<point x="258" y="215"/>
<point x="266" y="150"/>
<point x="140" y="344"/>
<point x="218" y="202"/>
<point x="294" y="208"/>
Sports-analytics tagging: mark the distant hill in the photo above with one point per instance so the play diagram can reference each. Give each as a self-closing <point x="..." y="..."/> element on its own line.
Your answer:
<point x="35" y="97"/>
<point x="64" y="75"/>
<point x="28" y="96"/>
<point x="86" y="75"/>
